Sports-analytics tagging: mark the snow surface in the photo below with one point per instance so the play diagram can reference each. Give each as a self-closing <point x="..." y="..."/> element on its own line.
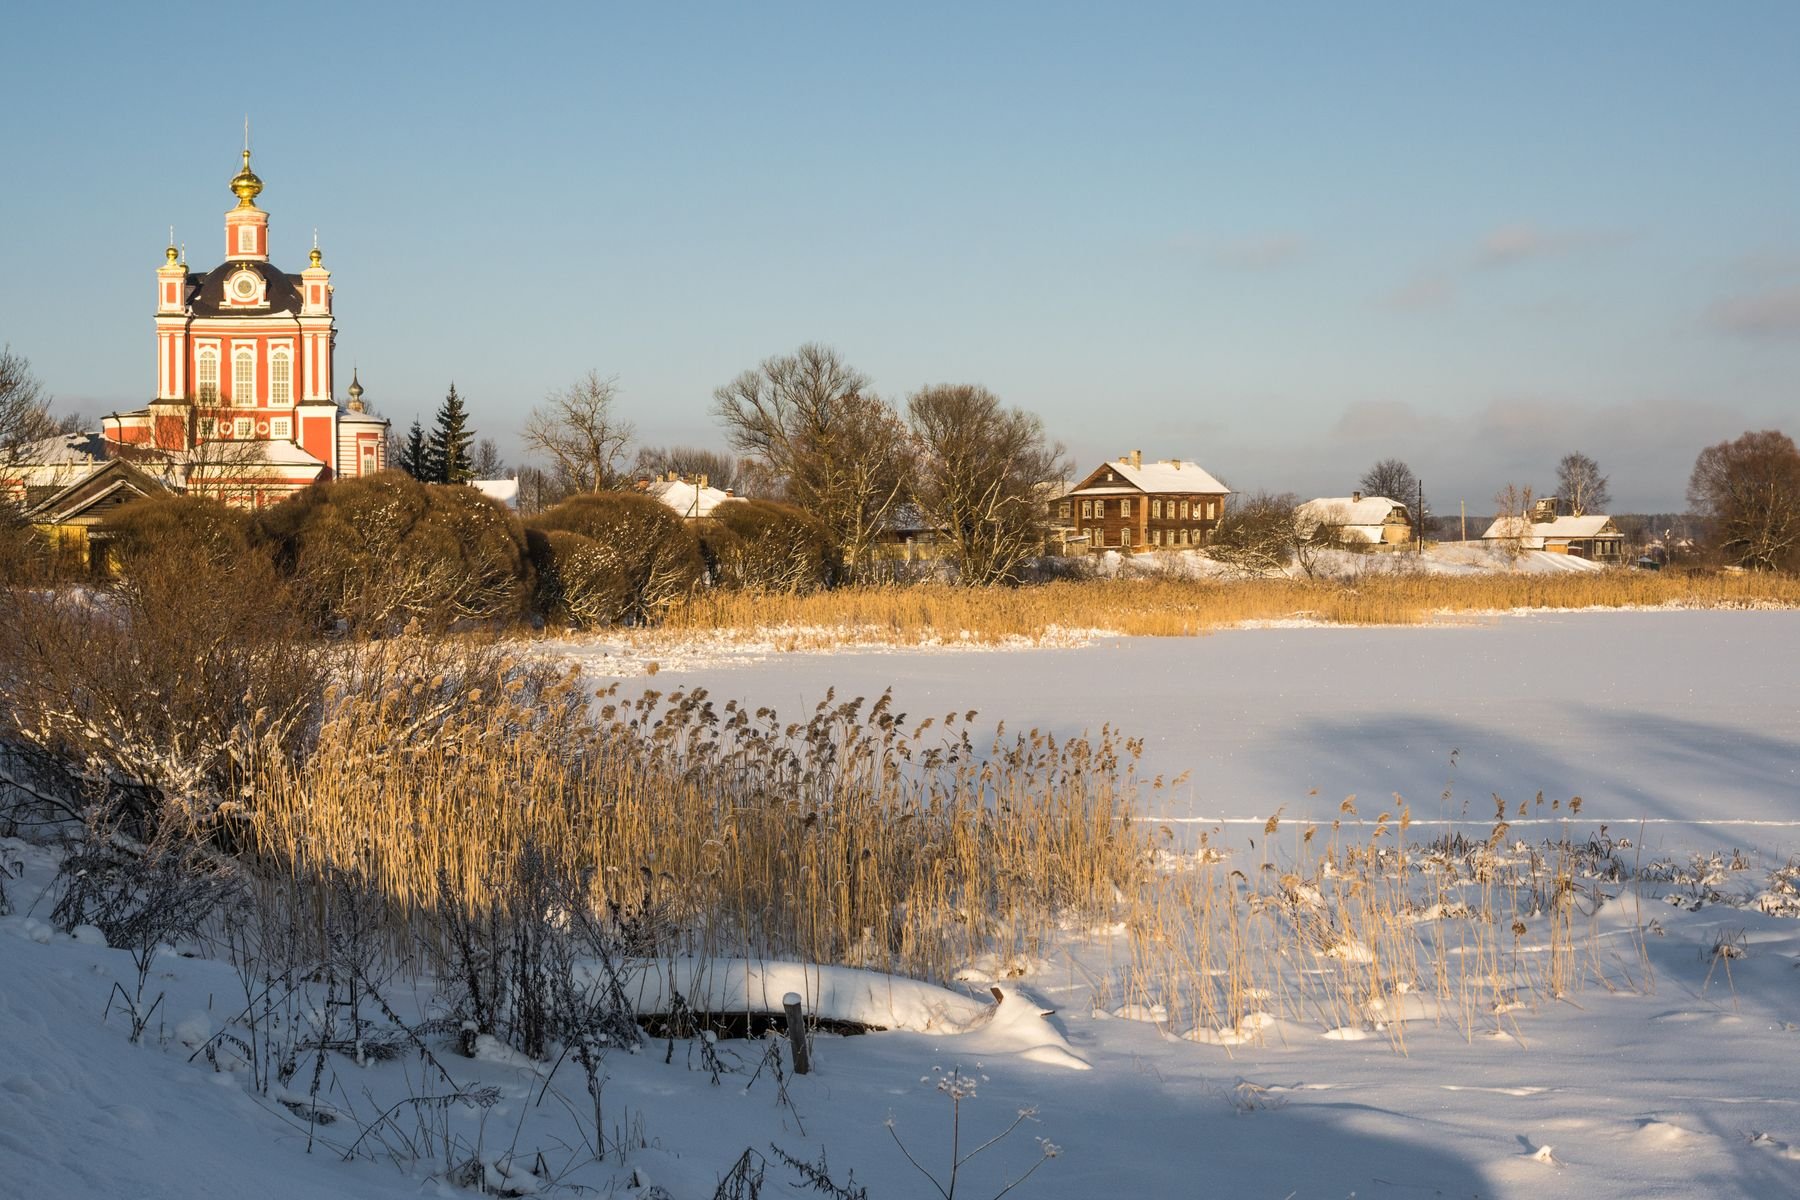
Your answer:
<point x="1684" y="1088"/>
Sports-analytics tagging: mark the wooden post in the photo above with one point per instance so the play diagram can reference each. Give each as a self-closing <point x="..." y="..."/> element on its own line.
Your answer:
<point x="796" y="1031"/>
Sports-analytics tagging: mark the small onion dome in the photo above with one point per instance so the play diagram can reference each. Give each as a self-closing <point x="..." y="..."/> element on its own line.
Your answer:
<point x="315" y="256"/>
<point x="246" y="184"/>
<point x="172" y="255"/>
<point x="356" y="389"/>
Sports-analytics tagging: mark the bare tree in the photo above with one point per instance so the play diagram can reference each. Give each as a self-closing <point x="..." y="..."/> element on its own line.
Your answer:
<point x="1393" y="479"/>
<point x="981" y="470"/>
<point x="584" y="438"/>
<point x="25" y="416"/>
<point x="1257" y="535"/>
<point x="1512" y="513"/>
<point x="487" y="463"/>
<point x="1750" y="489"/>
<point x="690" y="462"/>
<point x="840" y="451"/>
<point x="1581" y="485"/>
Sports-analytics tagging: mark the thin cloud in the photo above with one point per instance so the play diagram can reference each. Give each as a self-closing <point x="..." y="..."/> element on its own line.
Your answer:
<point x="1763" y="316"/>
<point x="1428" y="291"/>
<point x="1517" y="243"/>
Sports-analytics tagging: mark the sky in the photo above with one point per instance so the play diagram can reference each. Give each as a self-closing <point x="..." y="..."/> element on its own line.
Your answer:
<point x="1282" y="240"/>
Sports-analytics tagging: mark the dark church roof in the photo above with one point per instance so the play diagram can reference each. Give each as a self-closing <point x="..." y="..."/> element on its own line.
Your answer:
<point x="283" y="290"/>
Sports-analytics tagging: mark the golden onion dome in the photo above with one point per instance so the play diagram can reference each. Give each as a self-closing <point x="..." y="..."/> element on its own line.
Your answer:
<point x="315" y="256"/>
<point x="246" y="184"/>
<point x="172" y="255"/>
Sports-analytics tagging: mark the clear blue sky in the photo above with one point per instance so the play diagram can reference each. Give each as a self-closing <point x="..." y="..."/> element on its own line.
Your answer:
<point x="1283" y="240"/>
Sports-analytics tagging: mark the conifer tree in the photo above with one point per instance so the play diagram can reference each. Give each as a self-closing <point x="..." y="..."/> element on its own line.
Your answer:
<point x="411" y="455"/>
<point x="447" y="452"/>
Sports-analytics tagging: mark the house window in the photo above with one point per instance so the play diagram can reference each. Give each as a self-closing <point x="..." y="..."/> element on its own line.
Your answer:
<point x="281" y="427"/>
<point x="1064" y="509"/>
<point x="1184" y="508"/>
<point x="243" y="377"/>
<point x="1125" y="507"/>
<point x="281" y="369"/>
<point x="1087" y="508"/>
<point x="207" y="372"/>
<point x="1156" y="537"/>
<point x="1156" y="510"/>
<point x="1125" y="536"/>
<point x="243" y="427"/>
<point x="1209" y="509"/>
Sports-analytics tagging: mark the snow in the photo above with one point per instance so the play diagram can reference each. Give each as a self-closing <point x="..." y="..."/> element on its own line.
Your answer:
<point x="1677" y="729"/>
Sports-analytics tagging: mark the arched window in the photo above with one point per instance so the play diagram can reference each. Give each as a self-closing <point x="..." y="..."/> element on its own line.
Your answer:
<point x="280" y="375"/>
<point x="243" y="377"/>
<point x="206" y="372"/>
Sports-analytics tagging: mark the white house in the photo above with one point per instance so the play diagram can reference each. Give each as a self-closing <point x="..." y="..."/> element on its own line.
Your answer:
<point x="1356" y="519"/>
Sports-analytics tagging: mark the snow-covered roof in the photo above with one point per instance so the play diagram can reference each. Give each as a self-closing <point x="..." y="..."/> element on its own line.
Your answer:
<point x="1559" y="529"/>
<point x="65" y="449"/>
<point x="688" y="499"/>
<point x="1349" y="510"/>
<point x="506" y="491"/>
<point x="1173" y="475"/>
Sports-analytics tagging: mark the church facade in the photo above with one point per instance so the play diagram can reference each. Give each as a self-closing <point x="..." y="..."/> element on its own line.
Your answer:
<point x="245" y="407"/>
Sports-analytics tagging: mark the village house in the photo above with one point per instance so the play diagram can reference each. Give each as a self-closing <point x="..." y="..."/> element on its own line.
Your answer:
<point x="1355" y="521"/>
<point x="691" y="499"/>
<point x="1591" y="536"/>
<point x="1130" y="505"/>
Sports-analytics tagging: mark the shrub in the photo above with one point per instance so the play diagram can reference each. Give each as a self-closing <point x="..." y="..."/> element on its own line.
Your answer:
<point x="764" y="546"/>
<point x="144" y="687"/>
<point x="639" y="558"/>
<point x="376" y="553"/>
<point x="574" y="577"/>
<point x="184" y="528"/>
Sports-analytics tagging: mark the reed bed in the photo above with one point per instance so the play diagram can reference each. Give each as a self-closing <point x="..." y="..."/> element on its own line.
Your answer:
<point x="852" y="837"/>
<point x="861" y="836"/>
<point x="1351" y="928"/>
<point x="930" y="613"/>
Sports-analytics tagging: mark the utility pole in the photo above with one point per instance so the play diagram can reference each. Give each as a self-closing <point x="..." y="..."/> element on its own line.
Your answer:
<point x="1464" y="505"/>
<point x="1421" y="520"/>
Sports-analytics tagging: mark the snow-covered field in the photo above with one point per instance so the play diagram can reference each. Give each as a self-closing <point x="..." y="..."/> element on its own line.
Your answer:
<point x="1679" y="730"/>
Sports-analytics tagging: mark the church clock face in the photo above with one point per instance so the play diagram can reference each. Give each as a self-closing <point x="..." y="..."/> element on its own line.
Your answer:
<point x="244" y="286"/>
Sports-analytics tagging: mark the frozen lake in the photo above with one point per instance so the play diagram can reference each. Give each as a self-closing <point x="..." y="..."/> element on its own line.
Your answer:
<point x="1685" y="721"/>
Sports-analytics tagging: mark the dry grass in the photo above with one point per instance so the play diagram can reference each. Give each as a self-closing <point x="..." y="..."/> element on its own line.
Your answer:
<point x="1170" y="608"/>
<point x="863" y="838"/>
<point x="1352" y="927"/>
<point x="853" y="837"/>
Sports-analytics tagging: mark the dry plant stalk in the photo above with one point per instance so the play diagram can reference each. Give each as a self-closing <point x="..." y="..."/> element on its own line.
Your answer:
<point x="849" y="838"/>
<point x="931" y="613"/>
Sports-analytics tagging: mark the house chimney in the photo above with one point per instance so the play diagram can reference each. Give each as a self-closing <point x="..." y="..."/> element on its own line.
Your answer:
<point x="1137" y="458"/>
<point x="1356" y="497"/>
<point x="702" y="482"/>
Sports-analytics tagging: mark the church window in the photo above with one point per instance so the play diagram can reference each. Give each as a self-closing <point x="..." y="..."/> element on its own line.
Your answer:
<point x="243" y="427"/>
<point x="281" y="368"/>
<point x="209" y="427"/>
<point x="243" y="377"/>
<point x="246" y="239"/>
<point x="281" y="427"/>
<point x="208" y="372"/>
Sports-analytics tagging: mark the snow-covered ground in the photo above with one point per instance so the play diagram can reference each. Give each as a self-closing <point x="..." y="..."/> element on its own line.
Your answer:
<point x="1687" y="721"/>
<point x="1679" y="728"/>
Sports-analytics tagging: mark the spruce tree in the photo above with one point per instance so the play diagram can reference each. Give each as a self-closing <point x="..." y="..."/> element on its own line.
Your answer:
<point x="412" y="454"/>
<point x="447" y="451"/>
